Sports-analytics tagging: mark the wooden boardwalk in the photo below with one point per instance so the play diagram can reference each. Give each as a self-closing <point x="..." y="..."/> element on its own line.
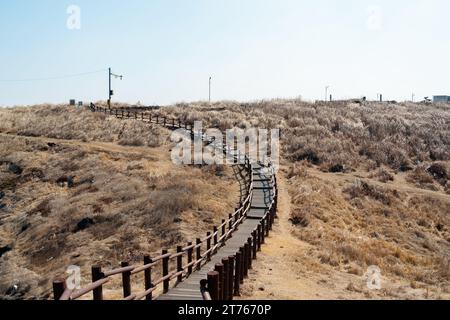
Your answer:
<point x="240" y="236"/>
<point x="189" y="289"/>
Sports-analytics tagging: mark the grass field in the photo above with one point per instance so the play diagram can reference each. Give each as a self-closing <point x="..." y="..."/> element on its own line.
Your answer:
<point x="362" y="184"/>
<point x="94" y="189"/>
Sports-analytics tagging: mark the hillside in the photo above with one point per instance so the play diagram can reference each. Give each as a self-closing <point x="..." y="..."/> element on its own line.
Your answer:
<point x="364" y="184"/>
<point x="361" y="185"/>
<point x="78" y="188"/>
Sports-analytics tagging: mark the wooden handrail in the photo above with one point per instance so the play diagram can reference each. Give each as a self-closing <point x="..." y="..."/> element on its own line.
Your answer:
<point x="118" y="271"/>
<point x="131" y="270"/>
<point x="89" y="288"/>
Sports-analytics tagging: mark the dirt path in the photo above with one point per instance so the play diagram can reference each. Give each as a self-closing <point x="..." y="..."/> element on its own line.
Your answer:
<point x="93" y="145"/>
<point x="399" y="184"/>
<point x="287" y="270"/>
<point x="278" y="272"/>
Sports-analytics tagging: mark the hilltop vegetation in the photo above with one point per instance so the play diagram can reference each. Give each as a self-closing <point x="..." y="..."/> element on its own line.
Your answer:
<point x="368" y="184"/>
<point x="363" y="184"/>
<point x="79" y="188"/>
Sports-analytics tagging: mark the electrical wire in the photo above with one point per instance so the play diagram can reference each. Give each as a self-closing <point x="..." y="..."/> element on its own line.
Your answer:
<point x="56" y="78"/>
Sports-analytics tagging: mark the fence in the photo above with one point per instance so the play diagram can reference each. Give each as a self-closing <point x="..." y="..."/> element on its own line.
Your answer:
<point x="224" y="282"/>
<point x="180" y="263"/>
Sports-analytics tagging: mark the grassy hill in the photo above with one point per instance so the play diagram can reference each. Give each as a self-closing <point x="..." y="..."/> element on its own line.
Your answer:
<point x="361" y="184"/>
<point x="364" y="184"/>
<point x="79" y="188"/>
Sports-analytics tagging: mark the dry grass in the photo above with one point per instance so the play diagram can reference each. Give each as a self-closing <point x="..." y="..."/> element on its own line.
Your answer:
<point x="343" y="133"/>
<point x="61" y="122"/>
<point x="368" y="184"/>
<point x="353" y="225"/>
<point x="134" y="199"/>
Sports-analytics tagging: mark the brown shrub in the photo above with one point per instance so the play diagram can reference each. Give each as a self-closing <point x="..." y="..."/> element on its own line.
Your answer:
<point x="361" y="189"/>
<point x="382" y="175"/>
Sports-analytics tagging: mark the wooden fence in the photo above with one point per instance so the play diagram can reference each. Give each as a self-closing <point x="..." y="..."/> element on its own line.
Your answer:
<point x="225" y="281"/>
<point x="178" y="264"/>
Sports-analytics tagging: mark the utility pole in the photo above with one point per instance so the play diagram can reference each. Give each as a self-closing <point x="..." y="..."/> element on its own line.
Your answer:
<point x="110" y="91"/>
<point x="326" y="93"/>
<point x="380" y="97"/>
<point x="210" y="78"/>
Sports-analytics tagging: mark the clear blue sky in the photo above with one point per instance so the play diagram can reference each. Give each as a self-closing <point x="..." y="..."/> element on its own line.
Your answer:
<point x="253" y="49"/>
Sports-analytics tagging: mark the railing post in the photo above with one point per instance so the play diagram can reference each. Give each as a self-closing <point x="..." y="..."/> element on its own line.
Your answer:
<point x="250" y="252"/>
<point x="208" y="246"/>
<point x="179" y="123"/>
<point x="157" y="119"/>
<point x="204" y="288"/>
<point x="216" y="231"/>
<point x="173" y="123"/>
<point x="165" y="271"/>
<point x="148" y="277"/>
<point x="190" y="252"/>
<point x="254" y="244"/>
<point x="230" y="226"/>
<point x="213" y="285"/>
<point x="267" y="224"/>
<point x="219" y="269"/>
<point x="231" y="260"/>
<point x="259" y="237"/>
<point x="165" y="121"/>
<point x="242" y="272"/>
<point x="59" y="286"/>
<point x="180" y="264"/>
<point x="237" y="274"/>
<point x="199" y="253"/>
<point x="246" y="255"/>
<point x="150" y="118"/>
<point x="126" y="280"/>
<point x="97" y="274"/>
<point x="272" y="217"/>
<point x="263" y="230"/>
<point x="226" y="282"/>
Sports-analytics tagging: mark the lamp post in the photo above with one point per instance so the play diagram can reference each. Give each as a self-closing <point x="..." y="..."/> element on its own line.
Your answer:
<point x="380" y="97"/>
<point x="110" y="91"/>
<point x="210" y="78"/>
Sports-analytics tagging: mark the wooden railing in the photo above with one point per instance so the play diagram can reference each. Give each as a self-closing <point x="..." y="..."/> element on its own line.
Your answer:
<point x="187" y="258"/>
<point x="225" y="281"/>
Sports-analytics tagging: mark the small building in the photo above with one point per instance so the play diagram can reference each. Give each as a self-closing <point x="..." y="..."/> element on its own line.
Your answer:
<point x="441" y="99"/>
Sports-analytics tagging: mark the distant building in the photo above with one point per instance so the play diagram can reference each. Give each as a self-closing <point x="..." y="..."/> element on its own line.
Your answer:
<point x="441" y="99"/>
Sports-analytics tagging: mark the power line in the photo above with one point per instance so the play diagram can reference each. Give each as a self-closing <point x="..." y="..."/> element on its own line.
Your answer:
<point x="55" y="78"/>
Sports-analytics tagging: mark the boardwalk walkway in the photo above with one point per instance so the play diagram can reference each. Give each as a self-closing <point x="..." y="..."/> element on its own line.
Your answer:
<point x="240" y="236"/>
<point x="189" y="289"/>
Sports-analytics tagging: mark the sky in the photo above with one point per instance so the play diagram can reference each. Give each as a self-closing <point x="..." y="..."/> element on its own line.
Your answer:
<point x="253" y="49"/>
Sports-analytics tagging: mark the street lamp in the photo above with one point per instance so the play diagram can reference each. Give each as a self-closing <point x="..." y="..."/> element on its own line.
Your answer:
<point x="210" y="78"/>
<point x="380" y="97"/>
<point x="111" y="92"/>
